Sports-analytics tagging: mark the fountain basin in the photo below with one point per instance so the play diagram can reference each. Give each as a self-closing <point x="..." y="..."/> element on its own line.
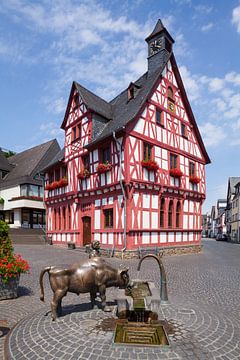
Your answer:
<point x="140" y="334"/>
<point x="142" y="296"/>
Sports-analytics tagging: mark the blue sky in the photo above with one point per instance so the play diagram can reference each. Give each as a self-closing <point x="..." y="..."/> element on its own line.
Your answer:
<point x="45" y="45"/>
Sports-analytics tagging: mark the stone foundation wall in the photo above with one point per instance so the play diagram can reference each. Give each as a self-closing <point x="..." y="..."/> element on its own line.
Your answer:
<point x="130" y="254"/>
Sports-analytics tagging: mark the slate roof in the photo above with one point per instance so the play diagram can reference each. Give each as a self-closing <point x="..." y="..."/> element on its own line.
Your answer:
<point x="59" y="157"/>
<point x="123" y="110"/>
<point x="233" y="180"/>
<point x="157" y="30"/>
<point x="4" y="164"/>
<point x="28" y="163"/>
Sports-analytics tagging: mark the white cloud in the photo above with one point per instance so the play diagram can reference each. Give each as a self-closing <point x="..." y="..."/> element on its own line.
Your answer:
<point x="190" y="82"/>
<point x="207" y="27"/>
<point x="236" y="18"/>
<point x="212" y="134"/>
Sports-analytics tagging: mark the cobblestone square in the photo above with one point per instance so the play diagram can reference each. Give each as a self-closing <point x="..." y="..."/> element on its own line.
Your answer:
<point x="204" y="309"/>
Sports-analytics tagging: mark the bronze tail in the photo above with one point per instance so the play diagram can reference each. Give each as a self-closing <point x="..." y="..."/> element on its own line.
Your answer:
<point x="46" y="269"/>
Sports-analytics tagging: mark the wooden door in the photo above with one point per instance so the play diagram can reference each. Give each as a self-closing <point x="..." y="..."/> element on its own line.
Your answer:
<point x="86" y="230"/>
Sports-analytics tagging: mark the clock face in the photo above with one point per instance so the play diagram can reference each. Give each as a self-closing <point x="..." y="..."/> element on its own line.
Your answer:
<point x="155" y="46"/>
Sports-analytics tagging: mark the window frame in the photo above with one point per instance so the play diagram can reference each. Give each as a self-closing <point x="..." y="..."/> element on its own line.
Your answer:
<point x="176" y="161"/>
<point x="147" y="151"/>
<point x="108" y="218"/>
<point x="159" y="117"/>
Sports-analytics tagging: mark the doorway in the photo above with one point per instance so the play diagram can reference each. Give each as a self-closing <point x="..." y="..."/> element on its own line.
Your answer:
<point x="86" y="230"/>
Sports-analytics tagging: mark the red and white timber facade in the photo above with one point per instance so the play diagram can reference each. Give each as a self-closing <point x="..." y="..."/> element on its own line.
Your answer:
<point x="130" y="205"/>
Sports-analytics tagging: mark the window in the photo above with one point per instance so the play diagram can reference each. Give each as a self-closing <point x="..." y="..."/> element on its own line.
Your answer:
<point x="173" y="161"/>
<point x="69" y="218"/>
<point x="74" y="133"/>
<point x="86" y="162"/>
<point x="170" y="93"/>
<point x="162" y="213"/>
<point x="147" y="151"/>
<point x="178" y="210"/>
<point x="76" y="101"/>
<point x="159" y="115"/>
<point x="191" y="169"/>
<point x="108" y="218"/>
<point x="170" y="214"/>
<point x="183" y="130"/>
<point x="106" y="155"/>
<point x="63" y="218"/>
<point x="57" y="175"/>
<point x="171" y="106"/>
<point x="130" y="93"/>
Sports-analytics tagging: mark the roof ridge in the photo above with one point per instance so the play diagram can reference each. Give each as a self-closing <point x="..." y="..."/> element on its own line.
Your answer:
<point x="30" y="149"/>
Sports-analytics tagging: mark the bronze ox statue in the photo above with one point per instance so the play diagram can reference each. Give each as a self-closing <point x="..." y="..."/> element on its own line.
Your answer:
<point x="93" y="275"/>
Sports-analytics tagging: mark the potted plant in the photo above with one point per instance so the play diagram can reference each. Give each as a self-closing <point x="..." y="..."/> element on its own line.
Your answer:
<point x="104" y="167"/>
<point x="1" y="201"/>
<point x="194" y="179"/>
<point x="84" y="174"/>
<point x="150" y="165"/>
<point x="11" y="265"/>
<point x="176" y="173"/>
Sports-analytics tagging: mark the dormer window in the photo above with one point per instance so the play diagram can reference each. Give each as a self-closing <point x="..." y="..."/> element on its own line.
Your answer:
<point x="130" y="93"/>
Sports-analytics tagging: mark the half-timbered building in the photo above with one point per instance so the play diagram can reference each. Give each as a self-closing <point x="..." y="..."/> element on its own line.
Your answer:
<point x="131" y="173"/>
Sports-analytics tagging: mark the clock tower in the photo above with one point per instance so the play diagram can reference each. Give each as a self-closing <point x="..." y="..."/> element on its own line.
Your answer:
<point x="159" y="46"/>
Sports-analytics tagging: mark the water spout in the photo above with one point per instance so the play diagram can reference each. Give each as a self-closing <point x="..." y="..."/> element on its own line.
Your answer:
<point x="163" y="288"/>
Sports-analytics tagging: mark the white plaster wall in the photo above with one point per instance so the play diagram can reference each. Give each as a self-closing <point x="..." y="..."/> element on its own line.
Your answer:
<point x="97" y="216"/>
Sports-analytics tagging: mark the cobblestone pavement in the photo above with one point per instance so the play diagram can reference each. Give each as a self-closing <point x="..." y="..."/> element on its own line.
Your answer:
<point x="204" y="310"/>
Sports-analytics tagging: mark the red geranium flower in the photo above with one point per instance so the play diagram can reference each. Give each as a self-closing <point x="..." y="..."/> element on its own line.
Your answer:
<point x="176" y="172"/>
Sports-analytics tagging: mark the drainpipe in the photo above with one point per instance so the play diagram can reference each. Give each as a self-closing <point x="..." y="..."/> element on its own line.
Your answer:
<point x="123" y="192"/>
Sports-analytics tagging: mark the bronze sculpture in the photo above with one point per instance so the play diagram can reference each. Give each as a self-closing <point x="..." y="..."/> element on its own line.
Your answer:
<point x="92" y="275"/>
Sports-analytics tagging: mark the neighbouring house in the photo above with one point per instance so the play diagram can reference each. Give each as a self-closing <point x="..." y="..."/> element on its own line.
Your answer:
<point x="232" y="207"/>
<point x="135" y="165"/>
<point x="205" y="225"/>
<point x="220" y="219"/>
<point x="21" y="185"/>
<point x="235" y="214"/>
<point x="213" y="218"/>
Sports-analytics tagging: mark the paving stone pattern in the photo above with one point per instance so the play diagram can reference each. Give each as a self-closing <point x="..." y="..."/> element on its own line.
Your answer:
<point x="203" y="315"/>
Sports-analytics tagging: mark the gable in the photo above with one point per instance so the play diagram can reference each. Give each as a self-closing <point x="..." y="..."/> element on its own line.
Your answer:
<point x="170" y="133"/>
<point x="76" y="108"/>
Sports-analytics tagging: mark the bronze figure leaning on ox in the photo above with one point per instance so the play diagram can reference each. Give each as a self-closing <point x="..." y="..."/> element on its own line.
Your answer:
<point x="92" y="275"/>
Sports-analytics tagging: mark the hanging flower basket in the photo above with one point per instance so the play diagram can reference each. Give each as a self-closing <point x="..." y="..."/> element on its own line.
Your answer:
<point x="150" y="165"/>
<point x="104" y="167"/>
<point x="194" y="179"/>
<point x="84" y="174"/>
<point x="176" y="173"/>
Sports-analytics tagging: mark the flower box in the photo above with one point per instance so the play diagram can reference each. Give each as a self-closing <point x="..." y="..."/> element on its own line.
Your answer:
<point x="176" y="173"/>
<point x="194" y="179"/>
<point x="150" y="165"/>
<point x="84" y="174"/>
<point x="62" y="182"/>
<point x="57" y="184"/>
<point x="104" y="167"/>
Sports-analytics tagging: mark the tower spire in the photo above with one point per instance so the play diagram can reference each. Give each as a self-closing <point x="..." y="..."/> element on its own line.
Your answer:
<point x="159" y="46"/>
